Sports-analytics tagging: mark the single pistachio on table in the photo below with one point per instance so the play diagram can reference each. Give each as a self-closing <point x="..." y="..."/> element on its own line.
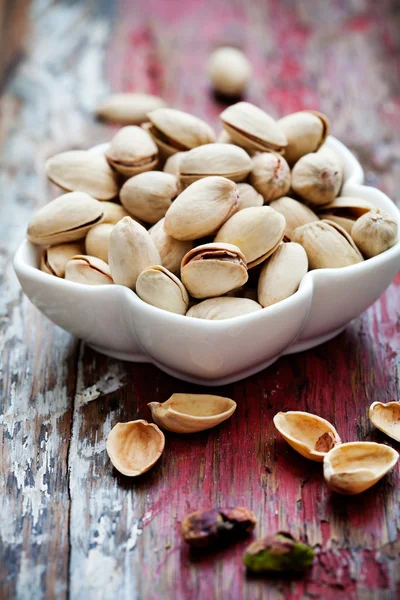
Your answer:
<point x="130" y="251"/>
<point x="202" y="208"/>
<point x="66" y="219"/>
<point x="374" y="232"/>
<point x="83" y="171"/>
<point x="172" y="164"/>
<point x="305" y="131"/>
<point x="229" y="71"/>
<point x="113" y="212"/>
<point x="217" y="527"/>
<point x="135" y="447"/>
<point x="189" y="413"/>
<point x="282" y="273"/>
<point x="148" y="196"/>
<point x="171" y="250"/>
<point x="386" y="417"/>
<point x="270" y="175"/>
<point x="257" y="231"/>
<point x="159" y="287"/>
<point x="224" y="307"/>
<point x="55" y="258"/>
<point x="317" y="177"/>
<point x="132" y="151"/>
<point x="278" y="553"/>
<point x="345" y="210"/>
<point x="97" y="241"/>
<point x="128" y="108"/>
<point x="295" y="213"/>
<point x="226" y="160"/>
<point x="310" y="435"/>
<point x="354" y="467"/>
<point x="88" y="270"/>
<point x="249" y="196"/>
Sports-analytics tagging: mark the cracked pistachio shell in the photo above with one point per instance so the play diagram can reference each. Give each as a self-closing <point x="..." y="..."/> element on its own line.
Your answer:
<point x="354" y="467"/>
<point x="189" y="413"/>
<point x="229" y="71"/>
<point x="282" y="273"/>
<point x="317" y="177"/>
<point x="89" y="270"/>
<point x="97" y="240"/>
<point x="270" y="175"/>
<point x="386" y="417"/>
<point x="305" y="132"/>
<point x="55" y="258"/>
<point x="113" y="212"/>
<point x="65" y="219"/>
<point x="171" y="250"/>
<point x="83" y="171"/>
<point x="202" y="208"/>
<point x="130" y="251"/>
<point x="310" y="435"/>
<point x="148" y="196"/>
<point x="159" y="287"/>
<point x="135" y="447"/>
<point x="224" y="307"/>
<point x="132" y="151"/>
<point x="374" y="232"/>
<point x="295" y="213"/>
<point x="172" y="164"/>
<point x="257" y="231"/>
<point x="249" y="196"/>
<point x="327" y="245"/>
<point x="252" y="128"/>
<point x="128" y="109"/>
<point x="213" y="270"/>
<point x="226" y="160"/>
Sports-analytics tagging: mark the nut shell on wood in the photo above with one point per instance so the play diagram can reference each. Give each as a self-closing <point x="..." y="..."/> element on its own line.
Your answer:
<point x="270" y="175"/>
<point x="159" y="287"/>
<point x="148" y="196"/>
<point x="217" y="527"/>
<point x="88" y="270"/>
<point x="55" y="258"/>
<point x="132" y="151"/>
<point x="225" y="160"/>
<point x="224" y="307"/>
<point x="386" y="417"/>
<point x="128" y="108"/>
<point x="305" y="132"/>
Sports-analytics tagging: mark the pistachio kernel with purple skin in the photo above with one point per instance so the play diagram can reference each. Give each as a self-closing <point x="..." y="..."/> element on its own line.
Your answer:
<point x="217" y="526"/>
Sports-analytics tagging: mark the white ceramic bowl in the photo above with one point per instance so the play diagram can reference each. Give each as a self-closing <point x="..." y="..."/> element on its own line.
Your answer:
<point x="114" y="321"/>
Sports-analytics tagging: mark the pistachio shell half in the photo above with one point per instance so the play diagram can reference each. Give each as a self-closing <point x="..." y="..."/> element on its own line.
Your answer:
<point x="159" y="287"/>
<point x="374" y="232"/>
<point x="88" y="270"/>
<point x="189" y="413"/>
<point x="310" y="435"/>
<point x="223" y="307"/>
<point x="305" y="131"/>
<point x="113" y="212"/>
<point x="97" y="241"/>
<point x="128" y="108"/>
<point x="249" y="196"/>
<point x="386" y="417"/>
<point x="135" y="447"/>
<point x="171" y="250"/>
<point x="317" y="177"/>
<point x="282" y="273"/>
<point x="148" y="196"/>
<point x="270" y="175"/>
<point x="55" y="258"/>
<point x="226" y="160"/>
<point x="132" y="151"/>
<point x="354" y="467"/>
<point x="295" y="213"/>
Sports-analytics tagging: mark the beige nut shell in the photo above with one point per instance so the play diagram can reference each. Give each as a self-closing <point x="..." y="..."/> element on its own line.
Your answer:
<point x="386" y="417"/>
<point x="282" y="273"/>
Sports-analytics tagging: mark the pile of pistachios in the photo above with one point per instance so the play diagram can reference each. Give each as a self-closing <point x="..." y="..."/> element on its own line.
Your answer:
<point x="199" y="227"/>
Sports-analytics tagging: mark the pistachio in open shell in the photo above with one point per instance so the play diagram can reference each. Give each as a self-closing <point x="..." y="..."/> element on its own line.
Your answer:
<point x="345" y="210"/>
<point x="159" y="287"/>
<point x="305" y="132"/>
<point x="224" y="307"/>
<point x="270" y="175"/>
<point x="171" y="250"/>
<point x="97" y="241"/>
<point x="374" y="232"/>
<point x="189" y="413"/>
<point x="282" y="273"/>
<point x="386" y="417"/>
<point x="135" y="447"/>
<point x="354" y="467"/>
<point x="88" y="270"/>
<point x="295" y="213"/>
<point x="317" y="177"/>
<point x="128" y="108"/>
<point x="226" y="160"/>
<point x="113" y="212"/>
<point x="55" y="258"/>
<point x="132" y="151"/>
<point x="249" y="196"/>
<point x="148" y="196"/>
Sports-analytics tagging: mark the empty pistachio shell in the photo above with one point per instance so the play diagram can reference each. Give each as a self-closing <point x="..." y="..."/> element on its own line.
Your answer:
<point x="82" y="171"/>
<point x="251" y="127"/>
<point x="171" y="250"/>
<point x="282" y="273"/>
<point x="172" y="164"/>
<point x="305" y="131"/>
<point x="215" y="159"/>
<point x="202" y="208"/>
<point x="217" y="527"/>
<point x="224" y="307"/>
<point x="295" y="213"/>
<point x="65" y="219"/>
<point x="128" y="109"/>
<point x="308" y="434"/>
<point x="113" y="212"/>
<point x="130" y="251"/>
<point x="134" y="447"/>
<point x="257" y="231"/>
<point x="354" y="467"/>
<point x="229" y="71"/>
<point x="132" y="151"/>
<point x="159" y="287"/>
<point x="270" y="175"/>
<point x="188" y="413"/>
<point x="386" y="417"/>
<point x="249" y="196"/>
<point x="148" y="196"/>
<point x="317" y="177"/>
<point x="374" y="232"/>
<point x="55" y="258"/>
<point x="213" y="270"/>
<point x="278" y="553"/>
<point x="89" y="270"/>
<point x="97" y="240"/>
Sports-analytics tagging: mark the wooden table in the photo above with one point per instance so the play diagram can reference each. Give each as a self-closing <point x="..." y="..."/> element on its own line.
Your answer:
<point x="69" y="524"/>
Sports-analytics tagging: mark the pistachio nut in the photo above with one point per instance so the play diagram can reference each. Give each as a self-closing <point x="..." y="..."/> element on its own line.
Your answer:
<point x="257" y="231"/>
<point x="282" y="273"/>
<point x="189" y="413"/>
<point x="132" y="151"/>
<point x="55" y="258"/>
<point x="224" y="138"/>
<point x="217" y="527"/>
<point x="202" y="208"/>
<point x="97" y="240"/>
<point x="130" y="251"/>
<point x="65" y="219"/>
<point x="88" y="269"/>
<point x="83" y="171"/>
<point x="226" y="160"/>
<point x="148" y="196"/>
<point x="327" y="245"/>
<point x="279" y="553"/>
<point x="172" y="164"/>
<point x="270" y="175"/>
<point x="249" y="196"/>
<point x="128" y="108"/>
<point x="159" y="287"/>
<point x="229" y="71"/>
<point x="345" y="211"/>
<point x="374" y="232"/>
<point x="223" y="307"/>
<point x="305" y="132"/>
<point x="113" y="212"/>
<point x="386" y="417"/>
<point x="175" y="130"/>
<point x="317" y="177"/>
<point x="296" y="214"/>
<point x="354" y="467"/>
<point x="252" y="128"/>
<point x="171" y="250"/>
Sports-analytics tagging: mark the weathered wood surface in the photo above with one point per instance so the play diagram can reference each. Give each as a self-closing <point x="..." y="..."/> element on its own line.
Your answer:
<point x="70" y="526"/>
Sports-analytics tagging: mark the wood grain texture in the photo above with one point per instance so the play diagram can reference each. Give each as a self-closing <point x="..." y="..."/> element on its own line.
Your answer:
<point x="70" y="525"/>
